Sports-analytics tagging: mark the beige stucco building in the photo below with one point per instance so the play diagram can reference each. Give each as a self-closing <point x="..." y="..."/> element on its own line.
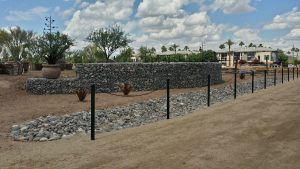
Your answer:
<point x="262" y="54"/>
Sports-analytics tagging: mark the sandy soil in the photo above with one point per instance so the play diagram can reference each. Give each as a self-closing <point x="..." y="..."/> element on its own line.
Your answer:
<point x="259" y="130"/>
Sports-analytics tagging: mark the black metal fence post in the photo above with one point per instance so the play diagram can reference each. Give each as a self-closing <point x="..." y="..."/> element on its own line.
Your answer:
<point x="288" y="74"/>
<point x="265" y="81"/>
<point x="282" y="75"/>
<point x="208" y="90"/>
<point x="235" y="85"/>
<point x="168" y="98"/>
<point x="293" y="73"/>
<point x="252" y="73"/>
<point x="93" y="91"/>
<point x="274" y="77"/>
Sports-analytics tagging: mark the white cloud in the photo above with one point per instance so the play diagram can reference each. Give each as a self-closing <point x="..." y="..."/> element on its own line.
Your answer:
<point x="294" y="34"/>
<point x="161" y="7"/>
<point x="152" y="27"/>
<point x="232" y="6"/>
<point x="197" y="18"/>
<point x="67" y="13"/>
<point x="26" y="15"/>
<point x="96" y="15"/>
<point x="287" y="20"/>
<point x="84" y="4"/>
<point x="248" y="35"/>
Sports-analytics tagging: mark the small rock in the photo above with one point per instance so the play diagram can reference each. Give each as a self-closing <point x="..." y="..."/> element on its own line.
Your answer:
<point x="24" y="128"/>
<point x="43" y="139"/>
<point x="54" y="137"/>
<point x="80" y="130"/>
<point x="36" y="139"/>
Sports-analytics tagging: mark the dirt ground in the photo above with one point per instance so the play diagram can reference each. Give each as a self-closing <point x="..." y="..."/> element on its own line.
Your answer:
<point x="17" y="106"/>
<point x="259" y="130"/>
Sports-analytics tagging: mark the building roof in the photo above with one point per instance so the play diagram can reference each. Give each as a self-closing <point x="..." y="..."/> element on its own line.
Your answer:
<point x="248" y="49"/>
<point x="183" y="52"/>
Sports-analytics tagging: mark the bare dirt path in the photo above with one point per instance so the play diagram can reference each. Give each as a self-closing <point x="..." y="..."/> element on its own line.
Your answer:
<point x="259" y="130"/>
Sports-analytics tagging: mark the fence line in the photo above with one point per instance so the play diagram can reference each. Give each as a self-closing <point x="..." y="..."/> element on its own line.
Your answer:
<point x="93" y="92"/>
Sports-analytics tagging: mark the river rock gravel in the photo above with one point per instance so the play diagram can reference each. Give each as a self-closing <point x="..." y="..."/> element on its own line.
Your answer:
<point x="51" y="128"/>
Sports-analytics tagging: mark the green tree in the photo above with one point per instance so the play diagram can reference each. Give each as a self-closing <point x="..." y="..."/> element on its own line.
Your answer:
<point x="52" y="46"/>
<point x="164" y="49"/>
<point x="153" y="50"/>
<point x="229" y="43"/>
<point x="251" y="45"/>
<point x="260" y="45"/>
<point x="282" y="58"/>
<point x="174" y="47"/>
<point x="125" y="55"/>
<point x="16" y="41"/>
<point x="222" y="46"/>
<point x="145" y="54"/>
<point x="90" y="54"/>
<point x="186" y="48"/>
<point x="241" y="44"/>
<point x="108" y="40"/>
<point x="208" y="56"/>
<point x="297" y="50"/>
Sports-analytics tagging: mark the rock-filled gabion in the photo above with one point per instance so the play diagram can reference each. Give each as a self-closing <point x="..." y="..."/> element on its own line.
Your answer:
<point x="56" y="127"/>
<point x="143" y="76"/>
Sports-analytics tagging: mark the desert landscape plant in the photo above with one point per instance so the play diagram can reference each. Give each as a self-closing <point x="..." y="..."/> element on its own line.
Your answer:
<point x="81" y="94"/>
<point x="108" y="40"/>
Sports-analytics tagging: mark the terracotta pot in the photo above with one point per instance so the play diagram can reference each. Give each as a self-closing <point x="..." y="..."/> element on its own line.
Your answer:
<point x="51" y="71"/>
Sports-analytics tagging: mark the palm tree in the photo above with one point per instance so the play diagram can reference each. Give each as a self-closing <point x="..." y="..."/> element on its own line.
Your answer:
<point x="241" y="44"/>
<point x="251" y="45"/>
<point x="174" y="46"/>
<point x="297" y="51"/>
<point x="293" y="50"/>
<point x="229" y="43"/>
<point x="260" y="45"/>
<point x="222" y="46"/>
<point x="163" y="49"/>
<point x="186" y="48"/>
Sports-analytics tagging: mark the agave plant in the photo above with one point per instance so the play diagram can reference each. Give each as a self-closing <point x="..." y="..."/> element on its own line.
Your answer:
<point x="81" y="94"/>
<point x="126" y="88"/>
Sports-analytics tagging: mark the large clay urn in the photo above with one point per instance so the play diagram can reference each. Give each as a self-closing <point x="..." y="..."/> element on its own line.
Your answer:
<point x="51" y="71"/>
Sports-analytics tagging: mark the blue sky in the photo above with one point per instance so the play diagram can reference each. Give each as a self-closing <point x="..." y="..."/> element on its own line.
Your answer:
<point x="274" y="23"/>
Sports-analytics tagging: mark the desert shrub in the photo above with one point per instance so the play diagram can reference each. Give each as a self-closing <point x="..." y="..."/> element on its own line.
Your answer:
<point x="256" y="61"/>
<point x="242" y="62"/>
<point x="126" y="88"/>
<point x="81" y="94"/>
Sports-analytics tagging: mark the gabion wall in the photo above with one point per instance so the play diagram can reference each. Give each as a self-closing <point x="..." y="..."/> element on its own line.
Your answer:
<point x="143" y="76"/>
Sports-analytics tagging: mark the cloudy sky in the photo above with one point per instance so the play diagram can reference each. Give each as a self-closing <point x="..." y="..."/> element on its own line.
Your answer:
<point x="274" y="23"/>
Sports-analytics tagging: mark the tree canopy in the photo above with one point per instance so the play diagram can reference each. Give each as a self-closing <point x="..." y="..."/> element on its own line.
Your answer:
<point x="16" y="41"/>
<point x="164" y="49"/>
<point x="52" y="46"/>
<point x="222" y="46"/>
<point x="109" y="39"/>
